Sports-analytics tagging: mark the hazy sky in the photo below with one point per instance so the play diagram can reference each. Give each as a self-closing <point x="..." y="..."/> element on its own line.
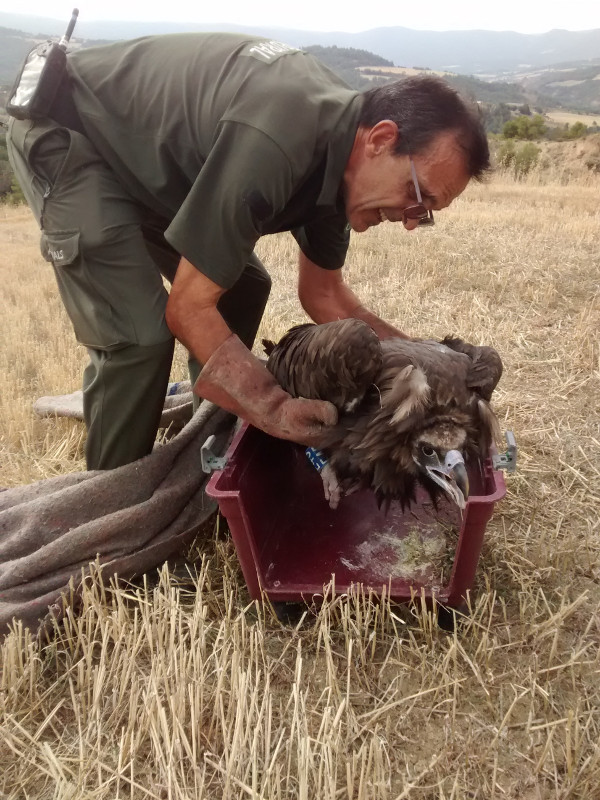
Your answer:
<point x="349" y="15"/>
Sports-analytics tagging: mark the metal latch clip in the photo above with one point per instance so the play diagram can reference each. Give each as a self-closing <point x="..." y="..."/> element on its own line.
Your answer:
<point x="508" y="460"/>
<point x="211" y="462"/>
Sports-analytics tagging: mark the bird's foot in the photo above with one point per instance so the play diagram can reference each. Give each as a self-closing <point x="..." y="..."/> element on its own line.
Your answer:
<point x="331" y="486"/>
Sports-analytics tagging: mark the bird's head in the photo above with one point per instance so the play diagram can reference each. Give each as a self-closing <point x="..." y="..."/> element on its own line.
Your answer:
<point x="437" y="452"/>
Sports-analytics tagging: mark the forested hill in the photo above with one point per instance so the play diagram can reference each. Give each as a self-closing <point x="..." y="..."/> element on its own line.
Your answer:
<point x="347" y="57"/>
<point x="362" y="69"/>
<point x="347" y="61"/>
<point x="571" y="87"/>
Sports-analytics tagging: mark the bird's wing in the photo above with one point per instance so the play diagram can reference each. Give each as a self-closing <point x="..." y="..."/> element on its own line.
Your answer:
<point x="445" y="370"/>
<point x="337" y="361"/>
<point x="485" y="368"/>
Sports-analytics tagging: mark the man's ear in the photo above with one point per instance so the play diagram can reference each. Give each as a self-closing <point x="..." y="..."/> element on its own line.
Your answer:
<point x="382" y="137"/>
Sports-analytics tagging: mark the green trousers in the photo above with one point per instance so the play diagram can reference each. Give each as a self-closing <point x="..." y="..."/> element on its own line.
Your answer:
<point x="109" y="256"/>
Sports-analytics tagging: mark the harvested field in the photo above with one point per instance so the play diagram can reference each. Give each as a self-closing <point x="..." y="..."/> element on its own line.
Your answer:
<point x="180" y="687"/>
<point x="399" y="71"/>
<point x="570" y="117"/>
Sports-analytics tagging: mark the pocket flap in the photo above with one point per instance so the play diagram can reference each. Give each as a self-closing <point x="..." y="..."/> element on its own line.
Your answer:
<point x="60" y="248"/>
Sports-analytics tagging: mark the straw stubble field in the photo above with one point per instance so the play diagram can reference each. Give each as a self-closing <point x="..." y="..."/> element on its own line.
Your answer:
<point x="182" y="688"/>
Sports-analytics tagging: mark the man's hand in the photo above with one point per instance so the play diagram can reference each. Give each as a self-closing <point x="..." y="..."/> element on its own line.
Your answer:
<point x="238" y="382"/>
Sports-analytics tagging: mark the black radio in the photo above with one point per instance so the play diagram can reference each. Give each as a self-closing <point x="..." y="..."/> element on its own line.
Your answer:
<point x="35" y="88"/>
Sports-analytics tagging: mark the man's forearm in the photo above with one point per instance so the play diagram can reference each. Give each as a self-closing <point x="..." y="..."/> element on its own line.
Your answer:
<point x="231" y="376"/>
<point x="192" y="314"/>
<point x="382" y="328"/>
<point x="326" y="297"/>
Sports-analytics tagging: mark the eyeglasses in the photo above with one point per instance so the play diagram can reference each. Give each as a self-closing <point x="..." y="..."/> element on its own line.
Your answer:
<point x="418" y="211"/>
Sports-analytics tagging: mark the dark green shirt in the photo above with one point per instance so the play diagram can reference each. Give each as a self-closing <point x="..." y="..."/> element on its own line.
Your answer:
<point x="226" y="136"/>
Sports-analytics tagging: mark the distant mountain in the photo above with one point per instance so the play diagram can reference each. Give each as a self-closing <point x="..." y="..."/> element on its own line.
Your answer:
<point x="466" y="52"/>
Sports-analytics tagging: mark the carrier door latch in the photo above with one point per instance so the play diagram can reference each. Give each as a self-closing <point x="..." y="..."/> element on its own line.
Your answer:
<point x="508" y="460"/>
<point x="211" y="462"/>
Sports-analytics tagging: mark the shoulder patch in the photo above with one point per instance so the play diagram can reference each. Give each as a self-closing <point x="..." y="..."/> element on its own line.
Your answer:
<point x="268" y="51"/>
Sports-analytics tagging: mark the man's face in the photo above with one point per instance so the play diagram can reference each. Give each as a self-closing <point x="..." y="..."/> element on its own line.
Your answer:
<point x="378" y="185"/>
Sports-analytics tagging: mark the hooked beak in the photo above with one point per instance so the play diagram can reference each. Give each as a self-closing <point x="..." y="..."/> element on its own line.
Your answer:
<point x="452" y="477"/>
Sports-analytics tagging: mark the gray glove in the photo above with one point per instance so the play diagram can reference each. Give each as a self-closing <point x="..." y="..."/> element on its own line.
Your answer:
<point x="238" y="382"/>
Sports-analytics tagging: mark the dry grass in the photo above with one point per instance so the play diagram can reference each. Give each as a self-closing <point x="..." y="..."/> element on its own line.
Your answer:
<point x="182" y="688"/>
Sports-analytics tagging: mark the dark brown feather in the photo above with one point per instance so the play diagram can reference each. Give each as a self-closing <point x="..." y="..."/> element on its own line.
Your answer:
<point x="485" y="369"/>
<point x="337" y="361"/>
<point x="389" y="394"/>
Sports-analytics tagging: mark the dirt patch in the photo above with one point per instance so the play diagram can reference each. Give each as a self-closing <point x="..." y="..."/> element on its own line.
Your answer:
<point x="424" y="555"/>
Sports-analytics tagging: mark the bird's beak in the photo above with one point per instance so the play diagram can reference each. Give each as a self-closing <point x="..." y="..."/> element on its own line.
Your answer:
<point x="452" y="477"/>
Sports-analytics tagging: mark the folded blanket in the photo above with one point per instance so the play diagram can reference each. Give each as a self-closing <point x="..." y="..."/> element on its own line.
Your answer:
<point x="125" y="521"/>
<point x="176" y="412"/>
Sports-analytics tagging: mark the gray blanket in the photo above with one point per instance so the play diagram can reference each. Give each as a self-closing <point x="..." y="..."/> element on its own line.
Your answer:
<point x="125" y="521"/>
<point x="177" y="409"/>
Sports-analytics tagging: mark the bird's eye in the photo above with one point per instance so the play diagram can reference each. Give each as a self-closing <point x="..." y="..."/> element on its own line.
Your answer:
<point x="427" y="450"/>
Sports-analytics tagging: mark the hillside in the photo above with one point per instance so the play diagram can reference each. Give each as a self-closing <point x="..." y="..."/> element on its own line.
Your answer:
<point x="572" y="158"/>
<point x="14" y="46"/>
<point x="478" y="89"/>
<point x="574" y="86"/>
<point x="562" y="161"/>
<point x="348" y="63"/>
<point x="570" y="88"/>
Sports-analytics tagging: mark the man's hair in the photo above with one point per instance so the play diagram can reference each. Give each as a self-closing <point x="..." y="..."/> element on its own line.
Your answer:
<point x="423" y="106"/>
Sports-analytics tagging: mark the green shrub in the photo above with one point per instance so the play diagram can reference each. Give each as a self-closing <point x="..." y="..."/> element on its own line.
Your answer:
<point x="526" y="157"/>
<point x="506" y="154"/>
<point x="576" y="130"/>
<point x="510" y="129"/>
<point x="16" y="196"/>
<point x="524" y="127"/>
<point x="518" y="159"/>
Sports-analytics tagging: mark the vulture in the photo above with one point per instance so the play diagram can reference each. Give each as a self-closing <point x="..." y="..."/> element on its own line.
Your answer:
<point x="411" y="412"/>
